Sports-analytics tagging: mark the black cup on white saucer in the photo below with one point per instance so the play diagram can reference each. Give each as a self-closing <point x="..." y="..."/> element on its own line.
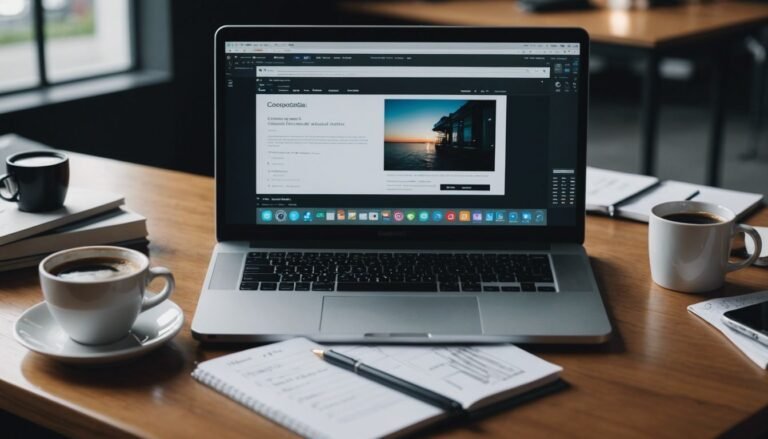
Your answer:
<point x="36" y="180"/>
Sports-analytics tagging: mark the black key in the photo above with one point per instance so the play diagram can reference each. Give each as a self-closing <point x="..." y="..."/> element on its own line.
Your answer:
<point x="251" y="286"/>
<point x="291" y="277"/>
<point x="256" y="261"/>
<point x="276" y="255"/>
<point x="391" y="286"/>
<point x="528" y="286"/>
<point x="322" y="286"/>
<point x="268" y="286"/>
<point x="261" y="277"/>
<point x="490" y="288"/>
<point x="470" y="287"/>
<point x="449" y="286"/>
<point x="257" y="254"/>
<point x="470" y="278"/>
<point x="302" y="286"/>
<point x="507" y="278"/>
<point x="489" y="278"/>
<point x="259" y="269"/>
<point x="546" y="289"/>
<point x="511" y="289"/>
<point x="286" y="286"/>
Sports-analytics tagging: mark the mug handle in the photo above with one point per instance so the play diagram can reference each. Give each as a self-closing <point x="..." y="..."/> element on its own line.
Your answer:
<point x="14" y="196"/>
<point x="165" y="293"/>
<point x="758" y="248"/>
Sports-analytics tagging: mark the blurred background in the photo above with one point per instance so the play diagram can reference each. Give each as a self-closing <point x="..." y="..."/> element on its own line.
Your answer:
<point x="132" y="80"/>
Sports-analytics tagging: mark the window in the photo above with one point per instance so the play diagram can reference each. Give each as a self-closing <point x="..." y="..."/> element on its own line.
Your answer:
<point x="46" y="42"/>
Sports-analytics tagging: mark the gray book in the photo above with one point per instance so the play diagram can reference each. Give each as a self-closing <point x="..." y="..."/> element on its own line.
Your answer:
<point x="114" y="226"/>
<point x="79" y="205"/>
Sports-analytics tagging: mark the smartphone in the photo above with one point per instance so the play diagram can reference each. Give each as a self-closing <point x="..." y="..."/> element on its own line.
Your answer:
<point x="751" y="321"/>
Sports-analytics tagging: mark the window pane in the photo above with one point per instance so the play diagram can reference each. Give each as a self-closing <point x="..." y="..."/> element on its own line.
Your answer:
<point x="18" y="59"/>
<point x="86" y="37"/>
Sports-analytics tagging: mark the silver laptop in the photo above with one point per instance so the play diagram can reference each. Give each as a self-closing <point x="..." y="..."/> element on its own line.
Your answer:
<point x="400" y="185"/>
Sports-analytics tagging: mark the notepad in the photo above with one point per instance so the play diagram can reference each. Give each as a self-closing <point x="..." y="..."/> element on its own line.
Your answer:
<point x="632" y="196"/>
<point x="288" y="384"/>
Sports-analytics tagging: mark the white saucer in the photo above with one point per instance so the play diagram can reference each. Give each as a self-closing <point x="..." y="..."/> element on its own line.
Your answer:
<point x="38" y="331"/>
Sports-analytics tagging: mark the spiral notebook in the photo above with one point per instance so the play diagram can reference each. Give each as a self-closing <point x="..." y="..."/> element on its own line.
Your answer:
<point x="288" y="384"/>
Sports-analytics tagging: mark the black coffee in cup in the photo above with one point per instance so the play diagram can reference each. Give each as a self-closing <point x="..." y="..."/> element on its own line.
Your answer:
<point x="37" y="180"/>
<point x="94" y="269"/>
<point x="694" y="218"/>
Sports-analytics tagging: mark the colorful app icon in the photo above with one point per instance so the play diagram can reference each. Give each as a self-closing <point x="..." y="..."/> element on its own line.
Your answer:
<point x="450" y="216"/>
<point x="489" y="216"/>
<point x="500" y="217"/>
<point x="464" y="215"/>
<point x="294" y="215"/>
<point x="330" y="216"/>
<point x="514" y="217"/>
<point x="398" y="216"/>
<point x="410" y="215"/>
<point x="386" y="215"/>
<point x="307" y="217"/>
<point x="320" y="214"/>
<point x="477" y="216"/>
<point x="281" y="216"/>
<point x="363" y="216"/>
<point x="266" y="215"/>
<point x="437" y="216"/>
<point x="538" y="217"/>
<point x="526" y="217"/>
<point x="352" y="215"/>
<point x="373" y="216"/>
<point x="341" y="215"/>
<point x="423" y="216"/>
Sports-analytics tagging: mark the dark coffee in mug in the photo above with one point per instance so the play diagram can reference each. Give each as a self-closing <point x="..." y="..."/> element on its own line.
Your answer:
<point x="94" y="269"/>
<point x="694" y="218"/>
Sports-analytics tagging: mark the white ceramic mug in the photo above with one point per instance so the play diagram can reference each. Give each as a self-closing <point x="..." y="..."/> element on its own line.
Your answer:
<point x="693" y="258"/>
<point x="103" y="310"/>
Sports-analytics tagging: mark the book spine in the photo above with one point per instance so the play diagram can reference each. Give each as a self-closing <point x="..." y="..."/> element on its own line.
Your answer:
<point x="242" y="398"/>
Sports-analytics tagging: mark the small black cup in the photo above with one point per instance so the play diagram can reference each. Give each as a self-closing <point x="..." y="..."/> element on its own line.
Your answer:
<point x="37" y="180"/>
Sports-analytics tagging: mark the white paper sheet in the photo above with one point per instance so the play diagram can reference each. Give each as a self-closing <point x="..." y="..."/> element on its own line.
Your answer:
<point x="606" y="188"/>
<point x="712" y="312"/>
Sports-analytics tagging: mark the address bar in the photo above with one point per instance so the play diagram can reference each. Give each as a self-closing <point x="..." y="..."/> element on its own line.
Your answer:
<point x="401" y="72"/>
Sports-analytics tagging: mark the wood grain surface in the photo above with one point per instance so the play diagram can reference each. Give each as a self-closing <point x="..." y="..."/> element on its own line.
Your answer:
<point x="665" y="373"/>
<point x="642" y="28"/>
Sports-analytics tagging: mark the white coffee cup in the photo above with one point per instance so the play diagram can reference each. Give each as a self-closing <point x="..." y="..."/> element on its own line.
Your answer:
<point x="99" y="306"/>
<point x="690" y="257"/>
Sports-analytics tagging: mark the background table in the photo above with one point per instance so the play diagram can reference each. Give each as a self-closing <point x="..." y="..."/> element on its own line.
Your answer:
<point x="707" y="31"/>
<point x="665" y="373"/>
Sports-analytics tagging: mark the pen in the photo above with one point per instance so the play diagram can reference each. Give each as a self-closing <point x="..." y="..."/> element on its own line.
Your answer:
<point x="390" y="381"/>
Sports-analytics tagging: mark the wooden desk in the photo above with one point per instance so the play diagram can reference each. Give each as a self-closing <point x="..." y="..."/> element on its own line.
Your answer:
<point x="665" y="372"/>
<point x="708" y="31"/>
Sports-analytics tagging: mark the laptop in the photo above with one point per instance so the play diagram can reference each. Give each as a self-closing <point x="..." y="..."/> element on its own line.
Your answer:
<point x="400" y="185"/>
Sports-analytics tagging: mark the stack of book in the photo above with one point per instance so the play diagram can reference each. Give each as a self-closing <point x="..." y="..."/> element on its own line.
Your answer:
<point x="89" y="217"/>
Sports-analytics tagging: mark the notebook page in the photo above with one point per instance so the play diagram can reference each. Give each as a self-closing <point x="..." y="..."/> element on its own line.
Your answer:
<point x="287" y="378"/>
<point x="606" y="188"/>
<point x="466" y="374"/>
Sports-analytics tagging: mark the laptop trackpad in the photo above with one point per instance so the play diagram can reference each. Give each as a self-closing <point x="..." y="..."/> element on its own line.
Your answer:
<point x="400" y="315"/>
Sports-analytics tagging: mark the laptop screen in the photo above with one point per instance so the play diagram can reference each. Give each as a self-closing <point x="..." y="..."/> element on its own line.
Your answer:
<point x="401" y="134"/>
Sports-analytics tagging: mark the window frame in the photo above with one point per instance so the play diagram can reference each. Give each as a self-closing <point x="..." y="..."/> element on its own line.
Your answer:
<point x="38" y="35"/>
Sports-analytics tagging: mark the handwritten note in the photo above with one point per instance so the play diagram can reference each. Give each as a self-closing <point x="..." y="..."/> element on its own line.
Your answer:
<point x="712" y="312"/>
<point x="474" y="376"/>
<point x="295" y="387"/>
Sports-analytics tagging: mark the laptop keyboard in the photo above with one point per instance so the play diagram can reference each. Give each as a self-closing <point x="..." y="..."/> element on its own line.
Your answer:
<point x="412" y="272"/>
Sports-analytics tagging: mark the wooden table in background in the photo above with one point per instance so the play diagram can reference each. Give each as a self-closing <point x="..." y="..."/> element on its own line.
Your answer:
<point x="707" y="31"/>
<point x="665" y="372"/>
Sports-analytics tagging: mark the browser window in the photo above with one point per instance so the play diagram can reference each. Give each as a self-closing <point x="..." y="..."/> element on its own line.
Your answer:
<point x="401" y="133"/>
